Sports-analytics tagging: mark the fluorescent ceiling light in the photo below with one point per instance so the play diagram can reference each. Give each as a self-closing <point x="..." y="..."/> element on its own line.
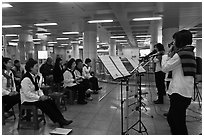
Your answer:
<point x="70" y="32"/>
<point x="121" y="40"/>
<point x="46" y="33"/>
<point x="15" y="40"/>
<point x="115" y="37"/>
<point x="102" y="50"/>
<point x="13" y="44"/>
<point x="45" y="24"/>
<point x="102" y="43"/>
<point x="36" y="43"/>
<point x="64" y="44"/>
<point x="74" y="42"/>
<point x="36" y="39"/>
<point x="11" y="35"/>
<point x="197" y="38"/>
<point x="148" y="18"/>
<point x="62" y="38"/>
<point x="52" y="42"/>
<point x="141" y="36"/>
<point x="124" y="43"/>
<point x="6" y="5"/>
<point x="99" y="21"/>
<point x="60" y="46"/>
<point x="140" y="40"/>
<point x="80" y="47"/>
<point x="11" y="26"/>
<point x="80" y="38"/>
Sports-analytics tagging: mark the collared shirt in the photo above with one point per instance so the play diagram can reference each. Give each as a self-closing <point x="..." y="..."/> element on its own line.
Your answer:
<point x="68" y="79"/>
<point x="6" y="90"/>
<point x="158" y="64"/>
<point x="28" y="93"/>
<point x="86" y="72"/>
<point x="183" y="85"/>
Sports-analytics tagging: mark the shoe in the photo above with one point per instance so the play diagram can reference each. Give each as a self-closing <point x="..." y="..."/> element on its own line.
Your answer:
<point x="67" y="122"/>
<point x="89" y="98"/>
<point x="95" y="92"/>
<point x="64" y="122"/>
<point x="165" y="114"/>
<point x="99" y="88"/>
<point x="158" y="102"/>
<point x="89" y="91"/>
<point x="82" y="102"/>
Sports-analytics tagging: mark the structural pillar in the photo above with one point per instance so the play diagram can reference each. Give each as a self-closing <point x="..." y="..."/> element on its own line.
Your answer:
<point x="75" y="50"/>
<point x="170" y="23"/>
<point x="112" y="47"/>
<point x="199" y="48"/>
<point x="154" y="34"/>
<point x="119" y="49"/>
<point x="90" y="45"/>
<point x="26" y="46"/>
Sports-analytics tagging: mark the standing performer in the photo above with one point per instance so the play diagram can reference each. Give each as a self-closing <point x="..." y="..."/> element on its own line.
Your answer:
<point x="183" y="66"/>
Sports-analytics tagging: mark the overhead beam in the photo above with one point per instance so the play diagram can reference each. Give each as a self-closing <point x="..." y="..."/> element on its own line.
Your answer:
<point x="121" y="15"/>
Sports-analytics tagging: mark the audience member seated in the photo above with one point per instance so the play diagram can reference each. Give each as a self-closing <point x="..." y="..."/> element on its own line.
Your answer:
<point x="84" y="82"/>
<point x="10" y="96"/>
<point x="47" y="71"/>
<point x="32" y="95"/>
<point x="18" y="73"/>
<point x="89" y="74"/>
<point x="71" y="83"/>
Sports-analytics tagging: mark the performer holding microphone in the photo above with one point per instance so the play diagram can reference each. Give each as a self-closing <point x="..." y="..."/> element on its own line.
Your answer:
<point x="159" y="75"/>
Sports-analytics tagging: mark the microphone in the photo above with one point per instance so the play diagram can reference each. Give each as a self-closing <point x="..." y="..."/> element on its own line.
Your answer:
<point x="151" y="53"/>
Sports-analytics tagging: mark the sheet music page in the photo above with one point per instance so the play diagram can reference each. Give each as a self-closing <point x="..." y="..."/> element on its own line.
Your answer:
<point x="134" y="63"/>
<point x="110" y="67"/>
<point x="118" y="63"/>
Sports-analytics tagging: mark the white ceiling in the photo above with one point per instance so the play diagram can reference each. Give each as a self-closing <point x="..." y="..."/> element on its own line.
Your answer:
<point x="71" y="16"/>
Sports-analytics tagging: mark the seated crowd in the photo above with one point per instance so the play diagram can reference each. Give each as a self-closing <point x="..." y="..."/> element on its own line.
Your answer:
<point x="24" y="88"/>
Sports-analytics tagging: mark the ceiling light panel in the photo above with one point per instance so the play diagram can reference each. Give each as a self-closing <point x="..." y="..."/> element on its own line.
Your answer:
<point x="99" y="21"/>
<point x="11" y="26"/>
<point x="148" y="18"/>
<point x="45" y="24"/>
<point x="70" y="33"/>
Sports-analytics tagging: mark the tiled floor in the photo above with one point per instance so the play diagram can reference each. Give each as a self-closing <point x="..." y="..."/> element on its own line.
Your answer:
<point x="102" y="116"/>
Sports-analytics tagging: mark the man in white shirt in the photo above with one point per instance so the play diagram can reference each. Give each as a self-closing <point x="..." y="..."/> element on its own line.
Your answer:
<point x="10" y="96"/>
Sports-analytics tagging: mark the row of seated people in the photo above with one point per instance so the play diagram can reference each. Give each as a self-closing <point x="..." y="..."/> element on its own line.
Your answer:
<point x="74" y="79"/>
<point x="78" y="78"/>
<point x="72" y="75"/>
<point x="30" y="93"/>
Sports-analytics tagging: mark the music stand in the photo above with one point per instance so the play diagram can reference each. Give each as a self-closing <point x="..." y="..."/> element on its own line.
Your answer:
<point x="118" y="72"/>
<point x="139" y="72"/>
<point x="197" y="95"/>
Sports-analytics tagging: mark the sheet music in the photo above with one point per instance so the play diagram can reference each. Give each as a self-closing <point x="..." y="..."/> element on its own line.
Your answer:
<point x="110" y="67"/>
<point x="136" y="65"/>
<point x="118" y="63"/>
<point x="60" y="131"/>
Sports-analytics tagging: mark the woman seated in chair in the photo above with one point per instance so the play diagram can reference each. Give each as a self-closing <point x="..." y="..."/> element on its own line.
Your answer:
<point x="32" y="95"/>
<point x="72" y="83"/>
<point x="84" y="82"/>
<point x="88" y="74"/>
<point x="10" y="96"/>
